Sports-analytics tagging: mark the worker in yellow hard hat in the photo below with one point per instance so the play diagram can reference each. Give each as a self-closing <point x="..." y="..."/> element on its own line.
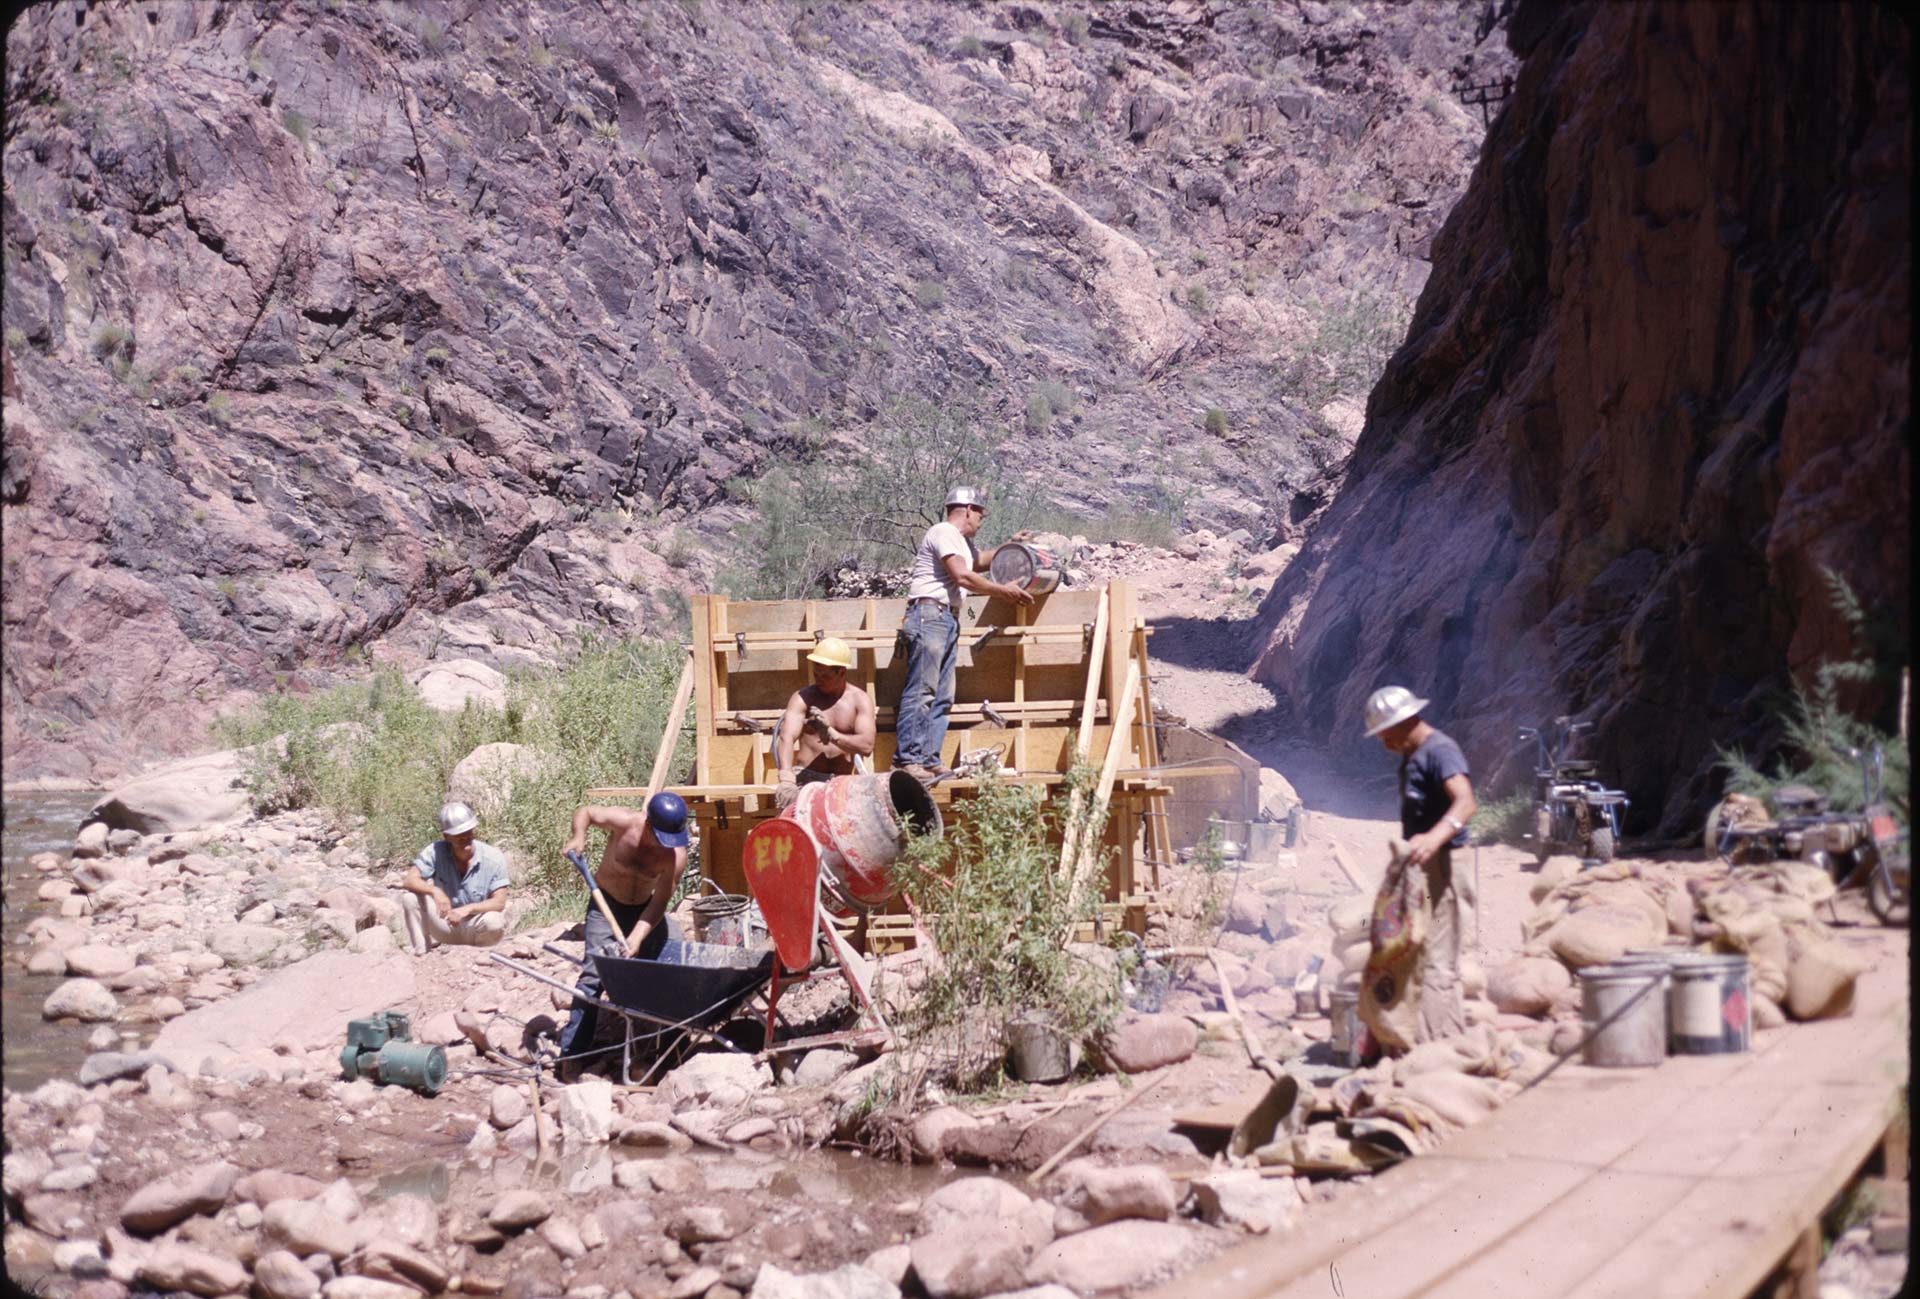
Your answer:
<point x="826" y="726"/>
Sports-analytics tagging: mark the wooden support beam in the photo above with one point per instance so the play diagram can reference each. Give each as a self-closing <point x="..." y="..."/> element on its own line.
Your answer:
<point x="670" y="738"/>
<point x="1080" y="852"/>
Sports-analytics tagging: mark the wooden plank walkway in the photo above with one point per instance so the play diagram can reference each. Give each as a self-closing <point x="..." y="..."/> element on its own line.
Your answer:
<point x="1687" y="1181"/>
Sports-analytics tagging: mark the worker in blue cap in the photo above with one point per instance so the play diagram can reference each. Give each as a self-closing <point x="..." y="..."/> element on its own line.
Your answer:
<point x="640" y="868"/>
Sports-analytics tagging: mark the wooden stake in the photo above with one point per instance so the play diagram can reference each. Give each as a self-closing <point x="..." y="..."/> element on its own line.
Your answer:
<point x="1095" y="1126"/>
<point x="670" y="738"/>
<point x="1079" y="851"/>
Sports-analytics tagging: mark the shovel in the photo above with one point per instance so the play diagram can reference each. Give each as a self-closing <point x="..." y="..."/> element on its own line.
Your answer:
<point x="579" y="862"/>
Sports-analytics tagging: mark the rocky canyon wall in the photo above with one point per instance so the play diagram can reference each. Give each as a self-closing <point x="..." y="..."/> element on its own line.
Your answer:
<point x="1655" y="385"/>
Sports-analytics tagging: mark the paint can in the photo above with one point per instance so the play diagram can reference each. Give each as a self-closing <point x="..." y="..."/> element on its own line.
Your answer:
<point x="1028" y="567"/>
<point x="1709" y="1008"/>
<point x="1638" y="1037"/>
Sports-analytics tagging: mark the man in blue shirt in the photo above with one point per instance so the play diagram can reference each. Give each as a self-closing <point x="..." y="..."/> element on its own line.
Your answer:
<point x="1436" y="802"/>
<point x="459" y="887"/>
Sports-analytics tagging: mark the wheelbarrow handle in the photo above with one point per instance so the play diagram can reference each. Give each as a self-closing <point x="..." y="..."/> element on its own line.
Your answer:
<point x="579" y="862"/>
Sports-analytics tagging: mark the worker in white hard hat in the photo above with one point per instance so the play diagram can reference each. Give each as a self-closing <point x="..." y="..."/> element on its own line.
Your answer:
<point x="946" y="564"/>
<point x="458" y="886"/>
<point x="1436" y="802"/>
<point x="827" y="725"/>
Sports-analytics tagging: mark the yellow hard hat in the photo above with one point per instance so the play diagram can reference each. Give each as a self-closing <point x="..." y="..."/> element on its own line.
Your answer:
<point x="833" y="652"/>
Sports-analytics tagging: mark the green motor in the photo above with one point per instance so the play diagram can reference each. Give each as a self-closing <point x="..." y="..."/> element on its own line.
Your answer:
<point x="380" y="1048"/>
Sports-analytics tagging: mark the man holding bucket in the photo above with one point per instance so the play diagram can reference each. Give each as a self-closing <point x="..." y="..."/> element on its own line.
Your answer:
<point x="946" y="563"/>
<point x="1410" y="991"/>
<point x="827" y="724"/>
<point x="641" y="866"/>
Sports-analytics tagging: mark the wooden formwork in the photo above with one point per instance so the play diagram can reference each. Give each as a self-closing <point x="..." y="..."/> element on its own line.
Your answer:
<point x="1066" y="677"/>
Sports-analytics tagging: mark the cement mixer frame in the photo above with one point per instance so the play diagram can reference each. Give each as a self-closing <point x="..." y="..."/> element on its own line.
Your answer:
<point x="1065" y="678"/>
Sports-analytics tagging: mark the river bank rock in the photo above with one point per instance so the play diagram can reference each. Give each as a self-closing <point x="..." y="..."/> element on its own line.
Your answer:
<point x="849" y="1282"/>
<point x="189" y="794"/>
<point x="159" y="1205"/>
<point x="86" y="1000"/>
<point x="1091" y="1195"/>
<point x="1112" y="1257"/>
<point x="174" y="1266"/>
<point x="1139" y="1043"/>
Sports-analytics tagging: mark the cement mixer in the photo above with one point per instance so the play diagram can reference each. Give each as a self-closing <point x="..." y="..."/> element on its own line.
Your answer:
<point x="833" y="847"/>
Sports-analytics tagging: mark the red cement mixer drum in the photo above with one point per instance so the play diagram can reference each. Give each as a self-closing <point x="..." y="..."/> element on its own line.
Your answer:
<point x="858" y="824"/>
<point x="1027" y="567"/>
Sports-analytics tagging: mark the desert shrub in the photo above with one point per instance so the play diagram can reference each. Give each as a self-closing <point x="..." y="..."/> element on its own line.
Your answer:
<point x="930" y="294"/>
<point x="297" y="124"/>
<point x="1215" y="421"/>
<point x="1820" y="736"/>
<point x="1004" y="912"/>
<point x="596" y="722"/>
<point x="1074" y="26"/>
<point x="111" y="340"/>
<point x="1506" y="820"/>
<point x="1039" y="414"/>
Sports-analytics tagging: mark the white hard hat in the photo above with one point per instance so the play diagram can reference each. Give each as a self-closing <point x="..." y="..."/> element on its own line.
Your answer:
<point x="961" y="495"/>
<point x="1391" y="705"/>
<point x="457" y="818"/>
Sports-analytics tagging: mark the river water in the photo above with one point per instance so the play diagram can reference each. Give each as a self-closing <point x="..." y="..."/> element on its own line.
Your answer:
<point x="35" y="1049"/>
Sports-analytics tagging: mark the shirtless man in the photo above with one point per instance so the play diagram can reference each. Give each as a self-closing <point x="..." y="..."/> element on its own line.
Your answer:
<point x="640" y="868"/>
<point x="826" y="725"/>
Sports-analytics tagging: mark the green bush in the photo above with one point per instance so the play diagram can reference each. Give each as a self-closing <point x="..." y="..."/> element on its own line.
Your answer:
<point x="596" y="722"/>
<point x="1075" y="27"/>
<point x="111" y="340"/>
<point x="1507" y="820"/>
<point x="296" y="124"/>
<point x="1004" y="908"/>
<point x="930" y="294"/>
<point x="1818" y="732"/>
<point x="1039" y="414"/>
<point x="1215" y="421"/>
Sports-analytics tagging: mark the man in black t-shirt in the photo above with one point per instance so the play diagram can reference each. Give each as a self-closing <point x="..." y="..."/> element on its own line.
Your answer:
<point x="1436" y="801"/>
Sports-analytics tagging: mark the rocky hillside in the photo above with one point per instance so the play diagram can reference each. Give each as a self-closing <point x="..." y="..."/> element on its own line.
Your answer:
<point x="397" y="331"/>
<point x="1656" y="384"/>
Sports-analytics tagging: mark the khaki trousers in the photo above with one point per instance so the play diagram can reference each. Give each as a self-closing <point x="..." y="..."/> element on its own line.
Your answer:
<point x="1442" y="1010"/>
<point x="426" y="930"/>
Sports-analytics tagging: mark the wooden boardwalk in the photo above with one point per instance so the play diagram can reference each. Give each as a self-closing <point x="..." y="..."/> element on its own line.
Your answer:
<point x="1692" y="1180"/>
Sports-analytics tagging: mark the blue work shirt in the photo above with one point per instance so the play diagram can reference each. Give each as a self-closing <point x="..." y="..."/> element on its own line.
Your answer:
<point x="487" y="871"/>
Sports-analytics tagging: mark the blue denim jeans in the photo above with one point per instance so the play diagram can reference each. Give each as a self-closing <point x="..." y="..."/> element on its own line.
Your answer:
<point x="577" y="1037"/>
<point x="920" y="722"/>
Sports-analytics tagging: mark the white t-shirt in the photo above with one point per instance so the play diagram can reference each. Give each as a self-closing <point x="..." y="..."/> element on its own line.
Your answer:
<point x="930" y="578"/>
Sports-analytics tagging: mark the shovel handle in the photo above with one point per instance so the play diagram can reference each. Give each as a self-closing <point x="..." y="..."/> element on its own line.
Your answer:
<point x="579" y="862"/>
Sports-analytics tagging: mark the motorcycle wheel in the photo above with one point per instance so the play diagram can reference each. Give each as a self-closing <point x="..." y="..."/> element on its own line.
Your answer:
<point x="1880" y="896"/>
<point x="1600" y="844"/>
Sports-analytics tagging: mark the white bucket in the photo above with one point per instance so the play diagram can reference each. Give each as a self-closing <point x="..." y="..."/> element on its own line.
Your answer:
<point x="1639" y="1036"/>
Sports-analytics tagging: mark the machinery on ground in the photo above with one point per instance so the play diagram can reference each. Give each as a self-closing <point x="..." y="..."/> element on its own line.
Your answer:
<point x="1572" y="811"/>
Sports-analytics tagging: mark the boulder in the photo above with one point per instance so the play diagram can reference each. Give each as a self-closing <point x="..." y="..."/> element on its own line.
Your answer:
<point x="1247" y="1200"/>
<point x="508" y="1106"/>
<point x="91" y="841"/>
<point x="1101" y="1195"/>
<point x="306" y="1228"/>
<point x="99" y="961"/>
<point x="317" y="997"/>
<point x="1112" y="1257"/>
<point x="244" y="943"/>
<point x="849" y="1282"/>
<point x="450" y="685"/>
<point x="929" y="1133"/>
<point x="175" y="1266"/>
<point x="822" y="1065"/>
<point x="206" y="790"/>
<point x="386" y="1259"/>
<point x="1142" y="1042"/>
<point x="83" y="999"/>
<point x="695" y="1082"/>
<point x="971" y="1257"/>
<point x="585" y="1111"/>
<point x="518" y="1210"/>
<point x="485" y="778"/>
<point x="279" y="1274"/>
<point x="971" y="1198"/>
<point x="270" y="1184"/>
<point x="159" y="1205"/>
<point x="105" y="1066"/>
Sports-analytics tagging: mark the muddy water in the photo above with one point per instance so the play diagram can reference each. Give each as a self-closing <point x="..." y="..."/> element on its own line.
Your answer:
<point x="35" y="1050"/>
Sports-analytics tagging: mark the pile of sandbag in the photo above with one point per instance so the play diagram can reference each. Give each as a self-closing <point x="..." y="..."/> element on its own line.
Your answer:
<point x="1589" y="917"/>
<point x="1794" y="963"/>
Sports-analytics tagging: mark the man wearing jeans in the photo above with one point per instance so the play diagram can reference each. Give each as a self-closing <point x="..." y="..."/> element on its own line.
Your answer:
<point x="946" y="563"/>
<point x="458" y="887"/>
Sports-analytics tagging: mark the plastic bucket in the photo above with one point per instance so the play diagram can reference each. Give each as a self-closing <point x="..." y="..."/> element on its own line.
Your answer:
<point x="728" y="920"/>
<point x="1343" y="1014"/>
<point x="1027" y="567"/>
<point x="1639" y="1036"/>
<point x="1708" y="1005"/>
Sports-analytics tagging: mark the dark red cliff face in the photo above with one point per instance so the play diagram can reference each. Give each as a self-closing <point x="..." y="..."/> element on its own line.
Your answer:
<point x="1656" y="384"/>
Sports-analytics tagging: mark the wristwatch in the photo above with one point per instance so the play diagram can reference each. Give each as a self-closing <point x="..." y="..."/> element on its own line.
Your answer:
<point x="1458" y="825"/>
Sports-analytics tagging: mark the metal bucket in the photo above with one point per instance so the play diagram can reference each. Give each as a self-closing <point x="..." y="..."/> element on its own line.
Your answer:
<point x="1639" y="1036"/>
<point x="1037" y="1051"/>
<point x="1343" y="1014"/>
<point x="728" y="920"/>
<point x="1709" y="1007"/>
<point x="858" y="824"/>
<point x="1027" y="567"/>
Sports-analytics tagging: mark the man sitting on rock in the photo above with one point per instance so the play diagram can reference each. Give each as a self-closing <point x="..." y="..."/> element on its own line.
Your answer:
<point x="827" y="725"/>
<point x="459" y="887"/>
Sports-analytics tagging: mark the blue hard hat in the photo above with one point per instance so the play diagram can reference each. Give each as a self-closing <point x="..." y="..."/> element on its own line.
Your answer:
<point x="667" y="818"/>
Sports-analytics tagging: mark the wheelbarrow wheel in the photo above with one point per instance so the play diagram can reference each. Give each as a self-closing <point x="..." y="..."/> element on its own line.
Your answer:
<point x="746" y="1033"/>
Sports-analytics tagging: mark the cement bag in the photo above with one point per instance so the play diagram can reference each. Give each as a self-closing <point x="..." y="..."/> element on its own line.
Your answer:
<point x="1543" y="917"/>
<point x="1760" y="935"/>
<point x="1820" y="980"/>
<point x="1553" y="872"/>
<point x="1390" y="985"/>
<point x="1596" y="935"/>
<point x="1456" y="1097"/>
<point x="1473" y="978"/>
<point x="1353" y="957"/>
<point x="1680" y="913"/>
<point x="1527" y="986"/>
<point x="1766" y="1012"/>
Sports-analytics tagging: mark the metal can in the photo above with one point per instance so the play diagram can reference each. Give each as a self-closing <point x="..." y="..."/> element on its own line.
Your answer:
<point x="1028" y="567"/>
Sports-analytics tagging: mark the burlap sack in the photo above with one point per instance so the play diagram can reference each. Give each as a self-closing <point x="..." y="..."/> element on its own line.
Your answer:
<point x="1596" y="935"/>
<point x="1353" y="958"/>
<point x="1456" y="1097"/>
<point x="1554" y="871"/>
<point x="1351" y="914"/>
<point x="1820" y="980"/>
<point x="1527" y="985"/>
<point x="1390" y="986"/>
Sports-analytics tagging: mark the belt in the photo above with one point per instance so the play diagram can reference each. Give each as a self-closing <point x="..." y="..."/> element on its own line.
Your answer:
<point x="928" y="599"/>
